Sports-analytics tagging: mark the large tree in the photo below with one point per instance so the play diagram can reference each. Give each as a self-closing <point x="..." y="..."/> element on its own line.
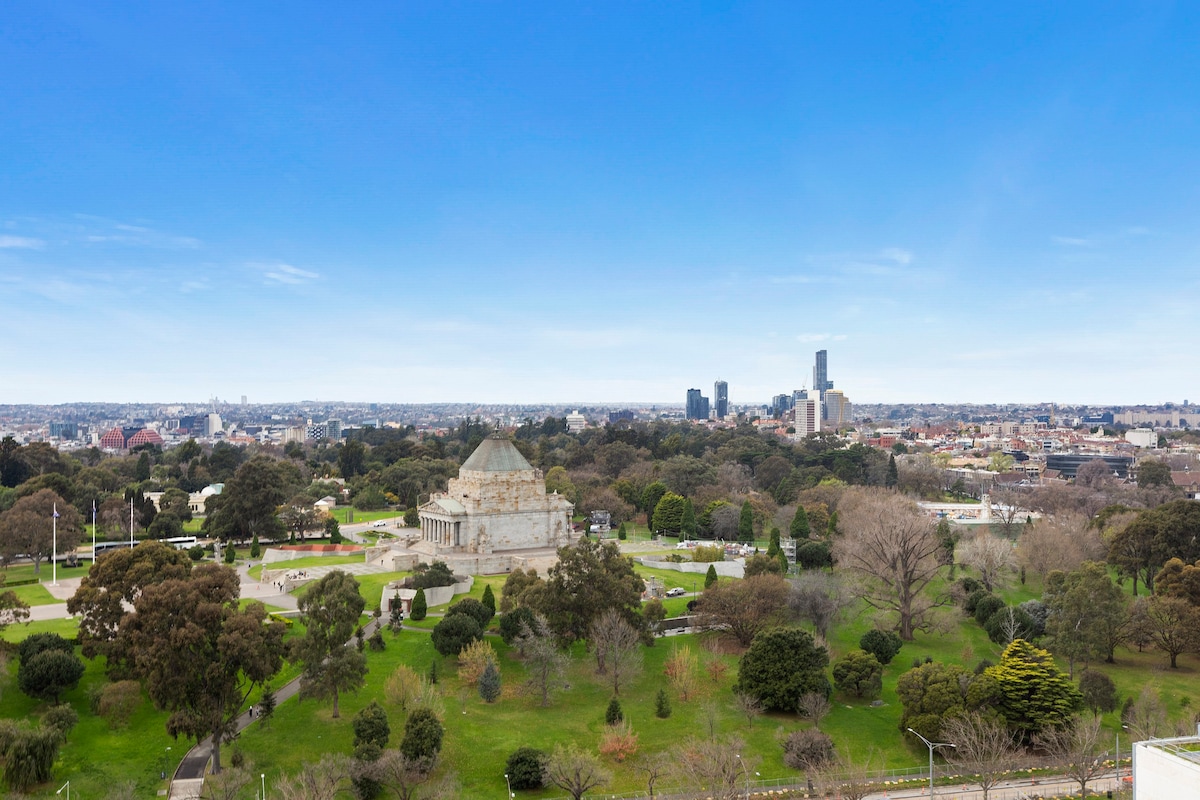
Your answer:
<point x="330" y="609"/>
<point x="28" y="527"/>
<point x="1034" y="693"/>
<point x="199" y="654"/>
<point x="983" y="747"/>
<point x="1087" y="615"/>
<point x="588" y="579"/>
<point x="246" y="506"/>
<point x="743" y="608"/>
<point x="617" y="647"/>
<point x="990" y="556"/>
<point x="781" y="666"/>
<point x="894" y="549"/>
<point x="574" y="771"/>
<point x="112" y="587"/>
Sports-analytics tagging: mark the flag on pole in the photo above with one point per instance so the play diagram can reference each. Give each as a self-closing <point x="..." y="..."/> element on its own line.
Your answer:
<point x="56" y="510"/>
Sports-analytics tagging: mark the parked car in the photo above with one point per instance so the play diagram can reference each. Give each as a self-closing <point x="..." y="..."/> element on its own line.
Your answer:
<point x="678" y="591"/>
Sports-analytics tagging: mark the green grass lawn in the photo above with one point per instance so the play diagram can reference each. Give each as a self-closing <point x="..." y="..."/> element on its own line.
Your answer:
<point x="36" y="594"/>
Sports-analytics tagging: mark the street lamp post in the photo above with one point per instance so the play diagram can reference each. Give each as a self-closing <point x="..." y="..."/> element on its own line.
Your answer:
<point x="931" y="746"/>
<point x="66" y="786"/>
<point x="263" y="777"/>
<point x="508" y="783"/>
<point x="745" y="772"/>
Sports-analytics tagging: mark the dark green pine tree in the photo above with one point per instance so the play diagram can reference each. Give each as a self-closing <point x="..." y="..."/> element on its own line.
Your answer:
<point x="420" y="606"/>
<point x="799" y="527"/>
<point x="710" y="577"/>
<point x="614" y="715"/>
<point x="489" y="683"/>
<point x="746" y="524"/>
<point x="489" y="599"/>
<point x="662" y="705"/>
<point x="688" y="526"/>
<point x="893" y="475"/>
<point x="773" y="548"/>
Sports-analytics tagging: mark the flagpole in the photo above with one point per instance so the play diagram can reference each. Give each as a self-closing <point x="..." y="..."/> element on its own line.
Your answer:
<point x="131" y="522"/>
<point x="54" y="556"/>
<point x="93" y="533"/>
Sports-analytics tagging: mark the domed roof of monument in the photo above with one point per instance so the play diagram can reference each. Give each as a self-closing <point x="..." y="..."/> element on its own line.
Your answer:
<point x="496" y="453"/>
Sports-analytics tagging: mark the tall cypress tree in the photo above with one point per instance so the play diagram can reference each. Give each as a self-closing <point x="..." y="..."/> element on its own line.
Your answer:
<point x="420" y="606"/>
<point x="893" y="475"/>
<point x="799" y="527"/>
<point x="687" y="528"/>
<point x="746" y="524"/>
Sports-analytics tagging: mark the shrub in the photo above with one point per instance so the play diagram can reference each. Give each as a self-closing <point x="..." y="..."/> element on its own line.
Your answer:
<point x="473" y="660"/>
<point x="60" y="718"/>
<point x="662" y="705"/>
<point x="422" y="735"/>
<point x="710" y="578"/>
<point x="525" y="768"/>
<point x="118" y="701"/>
<point x="255" y="547"/>
<point x="472" y="607"/>
<point x="427" y="576"/>
<point x="489" y="600"/>
<point x="196" y="552"/>
<point x="49" y="673"/>
<point x="376" y="642"/>
<point x="29" y="758"/>
<point x="807" y="749"/>
<point x="705" y="553"/>
<point x="814" y="555"/>
<point x="489" y="683"/>
<point x="454" y="633"/>
<point x="858" y="674"/>
<point x="619" y="742"/>
<point x="1008" y="624"/>
<point x="419" y="607"/>
<point x="230" y="554"/>
<point x="972" y="601"/>
<point x="968" y="586"/>
<point x="1038" y="613"/>
<point x="884" y="645"/>
<point x="987" y="607"/>
<point x="614" y="715"/>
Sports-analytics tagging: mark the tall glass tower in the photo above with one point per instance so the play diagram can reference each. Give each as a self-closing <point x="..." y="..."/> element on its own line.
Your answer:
<point x="721" y="398"/>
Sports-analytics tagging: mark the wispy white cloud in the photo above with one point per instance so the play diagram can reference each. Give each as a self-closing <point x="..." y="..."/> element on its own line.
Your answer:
<point x="1072" y="241"/>
<point x="287" y="274"/>
<point x="21" y="242"/>
<point x="897" y="254"/>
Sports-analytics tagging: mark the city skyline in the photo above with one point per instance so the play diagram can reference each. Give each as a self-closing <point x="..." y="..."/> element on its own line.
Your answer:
<point x="605" y="205"/>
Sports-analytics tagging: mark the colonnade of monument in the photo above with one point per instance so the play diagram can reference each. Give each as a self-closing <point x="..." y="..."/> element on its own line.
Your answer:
<point x="440" y="531"/>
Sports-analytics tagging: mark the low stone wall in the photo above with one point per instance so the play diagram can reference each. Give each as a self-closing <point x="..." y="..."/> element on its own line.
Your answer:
<point x="728" y="569"/>
<point x="274" y="555"/>
<point x="437" y="596"/>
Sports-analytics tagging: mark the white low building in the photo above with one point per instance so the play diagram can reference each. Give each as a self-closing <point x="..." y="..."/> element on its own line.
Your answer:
<point x="1167" y="769"/>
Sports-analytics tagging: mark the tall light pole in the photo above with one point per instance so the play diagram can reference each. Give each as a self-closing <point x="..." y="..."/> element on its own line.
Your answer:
<point x="66" y="786"/>
<point x="508" y="783"/>
<point x="931" y="746"/>
<point x="93" y="532"/>
<point x="745" y="772"/>
<point x="263" y="777"/>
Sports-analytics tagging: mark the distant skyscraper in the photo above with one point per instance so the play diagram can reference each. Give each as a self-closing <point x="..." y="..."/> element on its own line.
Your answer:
<point x="697" y="405"/>
<point x="821" y="380"/>
<point x="721" y="398"/>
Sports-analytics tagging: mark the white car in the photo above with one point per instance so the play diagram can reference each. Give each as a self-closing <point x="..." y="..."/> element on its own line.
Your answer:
<point x="678" y="591"/>
<point x="379" y="524"/>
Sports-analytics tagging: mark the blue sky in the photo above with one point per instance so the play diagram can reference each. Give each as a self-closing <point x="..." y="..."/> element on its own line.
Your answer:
<point x="573" y="202"/>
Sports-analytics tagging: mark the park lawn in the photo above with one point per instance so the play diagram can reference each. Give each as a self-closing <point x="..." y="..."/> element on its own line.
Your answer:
<point x="67" y="628"/>
<point x="479" y="737"/>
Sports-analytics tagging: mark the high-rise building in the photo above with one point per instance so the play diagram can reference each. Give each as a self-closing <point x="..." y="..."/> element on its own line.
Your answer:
<point x="837" y="408"/>
<point x="780" y="405"/>
<point x="821" y="382"/>
<point x="697" y="405"/>
<point x="808" y="418"/>
<point x="721" y="399"/>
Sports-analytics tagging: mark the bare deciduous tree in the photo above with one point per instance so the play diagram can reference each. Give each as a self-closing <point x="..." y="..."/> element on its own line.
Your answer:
<point x="894" y="550"/>
<point x="814" y="706"/>
<point x="617" y="647"/>
<point x="848" y="778"/>
<point x="400" y="774"/>
<point x="1077" y="749"/>
<point x="544" y="662"/>
<point x="749" y="706"/>
<point x="226" y="784"/>
<point x="1062" y="542"/>
<point x="654" y="766"/>
<point x="819" y="597"/>
<point x="990" y="556"/>
<point x="983" y="748"/>
<point x="319" y="781"/>
<point x="719" y="769"/>
<point x="574" y="771"/>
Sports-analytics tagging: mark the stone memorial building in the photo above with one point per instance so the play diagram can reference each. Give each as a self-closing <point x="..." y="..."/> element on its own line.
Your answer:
<point x="497" y="503"/>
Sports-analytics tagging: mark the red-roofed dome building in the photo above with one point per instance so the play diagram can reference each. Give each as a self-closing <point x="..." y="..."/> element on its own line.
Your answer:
<point x="144" y="436"/>
<point x="113" y="440"/>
